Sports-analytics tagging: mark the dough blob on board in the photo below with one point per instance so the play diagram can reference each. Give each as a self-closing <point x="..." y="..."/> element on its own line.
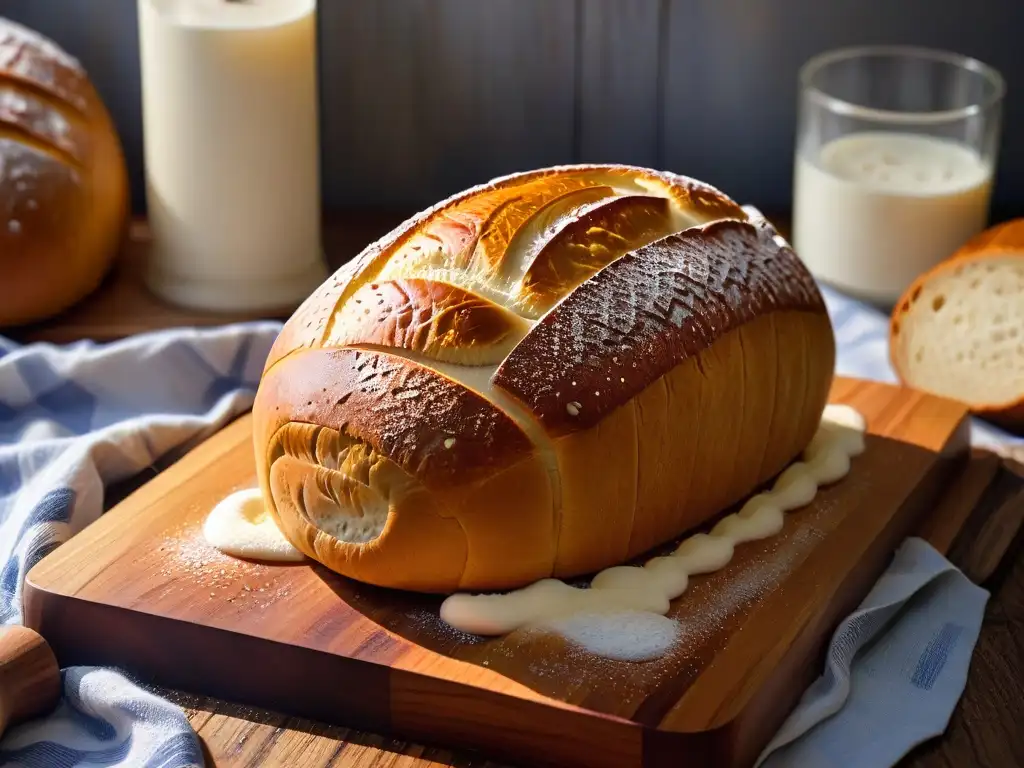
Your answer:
<point x="240" y="526"/>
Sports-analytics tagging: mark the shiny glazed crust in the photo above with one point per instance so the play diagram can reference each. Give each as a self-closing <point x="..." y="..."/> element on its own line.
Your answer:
<point x="63" y="181"/>
<point x="545" y="375"/>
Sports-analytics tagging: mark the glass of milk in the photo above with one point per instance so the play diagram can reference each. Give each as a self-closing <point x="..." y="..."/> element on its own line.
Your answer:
<point x="895" y="154"/>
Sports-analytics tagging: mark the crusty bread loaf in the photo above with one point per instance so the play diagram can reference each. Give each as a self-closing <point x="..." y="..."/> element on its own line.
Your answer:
<point x="958" y="330"/>
<point x="63" y="182"/>
<point x="545" y="375"/>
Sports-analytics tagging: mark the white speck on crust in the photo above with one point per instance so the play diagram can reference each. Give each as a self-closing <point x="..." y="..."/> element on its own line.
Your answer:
<point x="573" y="408"/>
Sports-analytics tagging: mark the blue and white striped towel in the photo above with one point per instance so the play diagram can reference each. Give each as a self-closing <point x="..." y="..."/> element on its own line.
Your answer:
<point x="75" y="419"/>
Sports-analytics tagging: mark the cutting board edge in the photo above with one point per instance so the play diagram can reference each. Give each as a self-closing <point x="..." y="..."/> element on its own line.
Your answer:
<point x="572" y="736"/>
<point x="38" y="599"/>
<point x="904" y="524"/>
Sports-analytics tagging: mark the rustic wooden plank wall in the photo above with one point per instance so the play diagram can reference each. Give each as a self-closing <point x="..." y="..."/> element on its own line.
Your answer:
<point x="620" y="76"/>
<point x="424" y="97"/>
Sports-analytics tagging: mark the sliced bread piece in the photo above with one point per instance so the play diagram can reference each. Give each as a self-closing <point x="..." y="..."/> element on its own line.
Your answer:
<point x="958" y="331"/>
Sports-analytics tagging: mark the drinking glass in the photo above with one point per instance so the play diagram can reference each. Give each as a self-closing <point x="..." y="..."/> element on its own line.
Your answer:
<point x="896" y="150"/>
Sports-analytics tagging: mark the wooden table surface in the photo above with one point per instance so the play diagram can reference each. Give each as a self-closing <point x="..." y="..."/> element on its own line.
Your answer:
<point x="984" y="730"/>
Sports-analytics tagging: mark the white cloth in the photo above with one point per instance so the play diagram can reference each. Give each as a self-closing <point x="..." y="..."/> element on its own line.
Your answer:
<point x="73" y="420"/>
<point x="894" y="670"/>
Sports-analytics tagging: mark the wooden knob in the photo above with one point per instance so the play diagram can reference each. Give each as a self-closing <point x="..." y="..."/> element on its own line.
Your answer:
<point x="29" y="676"/>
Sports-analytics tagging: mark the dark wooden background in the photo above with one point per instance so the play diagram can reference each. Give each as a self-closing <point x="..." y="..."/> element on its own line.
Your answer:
<point x="421" y="98"/>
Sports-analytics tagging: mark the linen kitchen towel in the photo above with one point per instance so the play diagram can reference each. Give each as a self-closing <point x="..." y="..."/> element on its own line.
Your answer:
<point x="73" y="420"/>
<point x="894" y="670"/>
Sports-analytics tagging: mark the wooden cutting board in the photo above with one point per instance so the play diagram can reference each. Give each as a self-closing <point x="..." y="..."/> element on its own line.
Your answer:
<point x="140" y="589"/>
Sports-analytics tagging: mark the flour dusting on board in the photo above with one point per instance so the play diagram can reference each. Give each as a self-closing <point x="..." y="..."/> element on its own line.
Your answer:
<point x="192" y="555"/>
<point x="434" y="631"/>
<point x="220" y="577"/>
<point x="600" y="640"/>
<point x="624" y="636"/>
<point x="713" y="603"/>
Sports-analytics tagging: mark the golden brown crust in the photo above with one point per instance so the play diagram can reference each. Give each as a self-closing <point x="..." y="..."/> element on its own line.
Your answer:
<point x="646" y="313"/>
<point x="1010" y="418"/>
<point x="595" y="237"/>
<point x="435" y="429"/>
<point x="509" y="209"/>
<point x="672" y="373"/>
<point x="1007" y="237"/>
<point x="63" y="181"/>
<point x="695" y="441"/>
<point x="31" y="59"/>
<point x="428" y="317"/>
<point x="1002" y="239"/>
<point x="453" y="227"/>
<point x="37" y="123"/>
<point x="420" y="548"/>
<point x="432" y="541"/>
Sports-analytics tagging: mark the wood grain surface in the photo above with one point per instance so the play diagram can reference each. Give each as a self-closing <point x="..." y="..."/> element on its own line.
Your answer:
<point x="140" y="589"/>
<point x="982" y="732"/>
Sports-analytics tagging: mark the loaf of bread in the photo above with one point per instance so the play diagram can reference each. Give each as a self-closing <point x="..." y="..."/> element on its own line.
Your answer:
<point x="63" y="181"/>
<point x="546" y="375"/>
<point x="958" y="330"/>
